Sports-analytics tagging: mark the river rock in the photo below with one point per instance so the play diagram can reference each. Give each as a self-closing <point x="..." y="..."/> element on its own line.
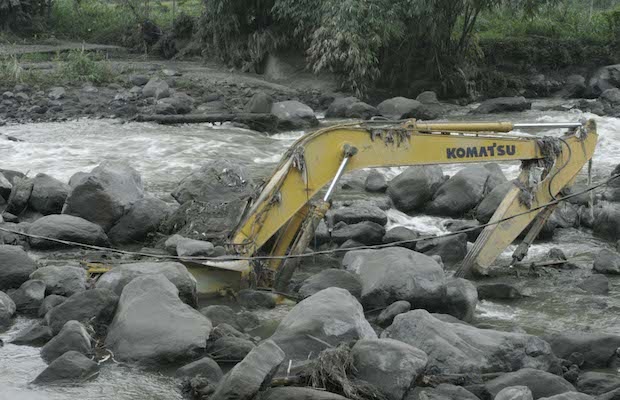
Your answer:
<point x="459" y="301"/>
<point x="50" y="302"/>
<point x="254" y="299"/>
<point x="332" y="315"/>
<point x="597" y="383"/>
<point x="443" y="391"/>
<point x="459" y="348"/>
<point x="105" y="194"/>
<point x="48" y="194"/>
<point x="247" y="377"/>
<point x="607" y="262"/>
<point x="298" y="393"/>
<point x="230" y="349"/>
<point x="393" y="274"/>
<point x="15" y="267"/>
<point x="465" y="190"/>
<point x="35" y="335"/>
<point x="356" y="214"/>
<point x="57" y="93"/>
<point x="515" y="393"/>
<point x="402" y="108"/>
<point x="118" y="277"/>
<point x="205" y="367"/>
<point x="331" y="278"/>
<point x="72" y="337"/>
<point x="180" y="103"/>
<point x="29" y="296"/>
<point x="413" y="188"/>
<point x="7" y="310"/>
<point x="70" y="367"/>
<point x="401" y="234"/>
<point x="94" y="307"/>
<point x="365" y="232"/>
<point x="375" y="182"/>
<point x="63" y="281"/>
<point x="11" y="175"/>
<point x="569" y="396"/>
<point x="226" y="330"/>
<point x="541" y="383"/>
<point x="389" y="365"/>
<point x="220" y="314"/>
<point x="5" y="187"/>
<point x="144" y="217"/>
<point x="152" y="326"/>
<point x="604" y="78"/>
<point x="156" y="88"/>
<point x="574" y="87"/>
<point x="65" y="227"/>
<point x="598" y="349"/>
<point x="451" y="249"/>
<point x="338" y="108"/>
<point x="20" y="194"/>
<point x="138" y="80"/>
<point x="428" y="97"/>
<point x="612" y="395"/>
<point x="260" y="103"/>
<point x="292" y="114"/>
<point x="361" y="110"/>
<point x="503" y="104"/>
<point x="596" y="284"/>
<point x="498" y="291"/>
<point x="386" y="317"/>
<point x="194" y="248"/>
<point x="607" y="220"/>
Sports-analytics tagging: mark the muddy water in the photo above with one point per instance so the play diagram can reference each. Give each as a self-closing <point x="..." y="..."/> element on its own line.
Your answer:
<point x="163" y="155"/>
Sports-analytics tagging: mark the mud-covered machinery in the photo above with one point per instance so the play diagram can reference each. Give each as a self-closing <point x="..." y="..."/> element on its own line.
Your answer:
<point x="280" y="222"/>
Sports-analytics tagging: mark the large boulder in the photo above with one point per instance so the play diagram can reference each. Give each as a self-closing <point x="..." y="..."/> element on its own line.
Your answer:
<point x="401" y="236"/>
<point x="94" y="307"/>
<point x="515" y="393"/>
<point x="338" y="108"/>
<point x="389" y="365"/>
<point x="71" y="367"/>
<point x="298" y="393"/>
<point x="392" y="274"/>
<point x="465" y="190"/>
<point x="72" y="337"/>
<point x="260" y="103"/>
<point x="598" y="349"/>
<point x="15" y="267"/>
<point x="35" y="335"/>
<point x="403" y="108"/>
<point x="604" y="78"/>
<point x="194" y="248"/>
<point x="48" y="194"/>
<point x="386" y="317"/>
<point x="375" y="182"/>
<point x="443" y="391"/>
<point x="105" y="194"/>
<point x="607" y="262"/>
<point x="597" y="383"/>
<point x="118" y="277"/>
<point x="230" y="349"/>
<point x="491" y="201"/>
<point x="364" y="232"/>
<point x="29" y="296"/>
<point x="152" y="326"/>
<point x="355" y="214"/>
<point x="455" y="348"/>
<point x="292" y="114"/>
<point x="460" y="299"/>
<point x="50" y="302"/>
<point x="451" y="249"/>
<point x="157" y="88"/>
<point x="607" y="220"/>
<point x="503" y="104"/>
<point x="7" y="310"/>
<point x="62" y="281"/>
<point x="416" y="186"/>
<point x="331" y="278"/>
<point x="570" y="396"/>
<point x="574" y="87"/>
<point x="144" y="217"/>
<point x="5" y="187"/>
<point x="205" y="367"/>
<point x="247" y="377"/>
<point x="596" y="284"/>
<point x="332" y="316"/>
<point x="541" y="383"/>
<point x="17" y="202"/>
<point x="65" y="227"/>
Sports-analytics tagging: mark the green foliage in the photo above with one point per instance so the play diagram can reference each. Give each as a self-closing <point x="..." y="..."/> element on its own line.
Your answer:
<point x="82" y="67"/>
<point x="15" y="14"/>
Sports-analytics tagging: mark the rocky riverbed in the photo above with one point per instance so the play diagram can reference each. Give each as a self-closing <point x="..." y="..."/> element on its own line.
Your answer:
<point x="356" y="331"/>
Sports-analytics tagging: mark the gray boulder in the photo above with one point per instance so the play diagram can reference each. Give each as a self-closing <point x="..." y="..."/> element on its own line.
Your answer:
<point x="389" y="365"/>
<point x="613" y="395"/>
<point x="48" y="194"/>
<point x="118" y="277"/>
<point x="29" y="296"/>
<point x="152" y="326"/>
<point x="15" y="267"/>
<point x="443" y="391"/>
<point x="451" y="249"/>
<point x="574" y="87"/>
<point x="569" y="396"/>
<point x="247" y="377"/>
<point x="194" y="248"/>
<point x="597" y="383"/>
<point x="604" y="78"/>
<point x="292" y="114"/>
<point x="93" y="307"/>
<point x="205" y="367"/>
<point x="298" y="393"/>
<point x="226" y="330"/>
<point x="460" y="300"/>
<point x="403" y="108"/>
<point x="105" y="194"/>
<point x="416" y="186"/>
<point x="361" y="110"/>
<point x="156" y="88"/>
<point x="65" y="227"/>
<point x="364" y="232"/>
<point x="254" y="299"/>
<point x="224" y="315"/>
<point x="17" y="202"/>
<point x="5" y="187"/>
<point x="598" y="349"/>
<point x="607" y="262"/>
<point x="72" y="337"/>
<point x="63" y="281"/>
<point x="35" y="335"/>
<point x="596" y="284"/>
<point x="386" y="317"/>
<point x="338" y="108"/>
<point x="331" y="278"/>
<point x="492" y="200"/>
<point x="7" y="310"/>
<point x="50" y="302"/>
<point x="401" y="234"/>
<point x="356" y="214"/>
<point x="71" y="367"/>
<point x="458" y="348"/>
<point x="179" y="103"/>
<point x="607" y="221"/>
<point x="464" y="191"/>
<point x="57" y="93"/>
<point x="138" y="80"/>
<point x="428" y="97"/>
<point x="503" y="104"/>
<point x="260" y="103"/>
<point x="498" y="291"/>
<point x="144" y="217"/>
<point x="230" y="349"/>
<point x="375" y="182"/>
<point x="515" y="393"/>
<point x="611" y="96"/>
<point x="332" y="316"/>
<point x="541" y="383"/>
<point x="393" y="274"/>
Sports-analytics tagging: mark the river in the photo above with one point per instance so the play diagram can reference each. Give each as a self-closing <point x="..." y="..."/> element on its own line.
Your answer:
<point x="165" y="154"/>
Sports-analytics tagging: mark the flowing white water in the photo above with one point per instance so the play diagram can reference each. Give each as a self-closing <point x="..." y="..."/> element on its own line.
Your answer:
<point x="164" y="155"/>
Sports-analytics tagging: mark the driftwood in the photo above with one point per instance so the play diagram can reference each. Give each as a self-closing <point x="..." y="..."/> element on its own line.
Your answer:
<point x="258" y="122"/>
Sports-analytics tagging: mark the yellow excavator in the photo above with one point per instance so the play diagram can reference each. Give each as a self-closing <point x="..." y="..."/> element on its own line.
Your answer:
<point x="278" y="225"/>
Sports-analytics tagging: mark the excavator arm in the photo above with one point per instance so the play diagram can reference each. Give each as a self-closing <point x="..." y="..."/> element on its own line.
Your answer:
<point x="288" y="209"/>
